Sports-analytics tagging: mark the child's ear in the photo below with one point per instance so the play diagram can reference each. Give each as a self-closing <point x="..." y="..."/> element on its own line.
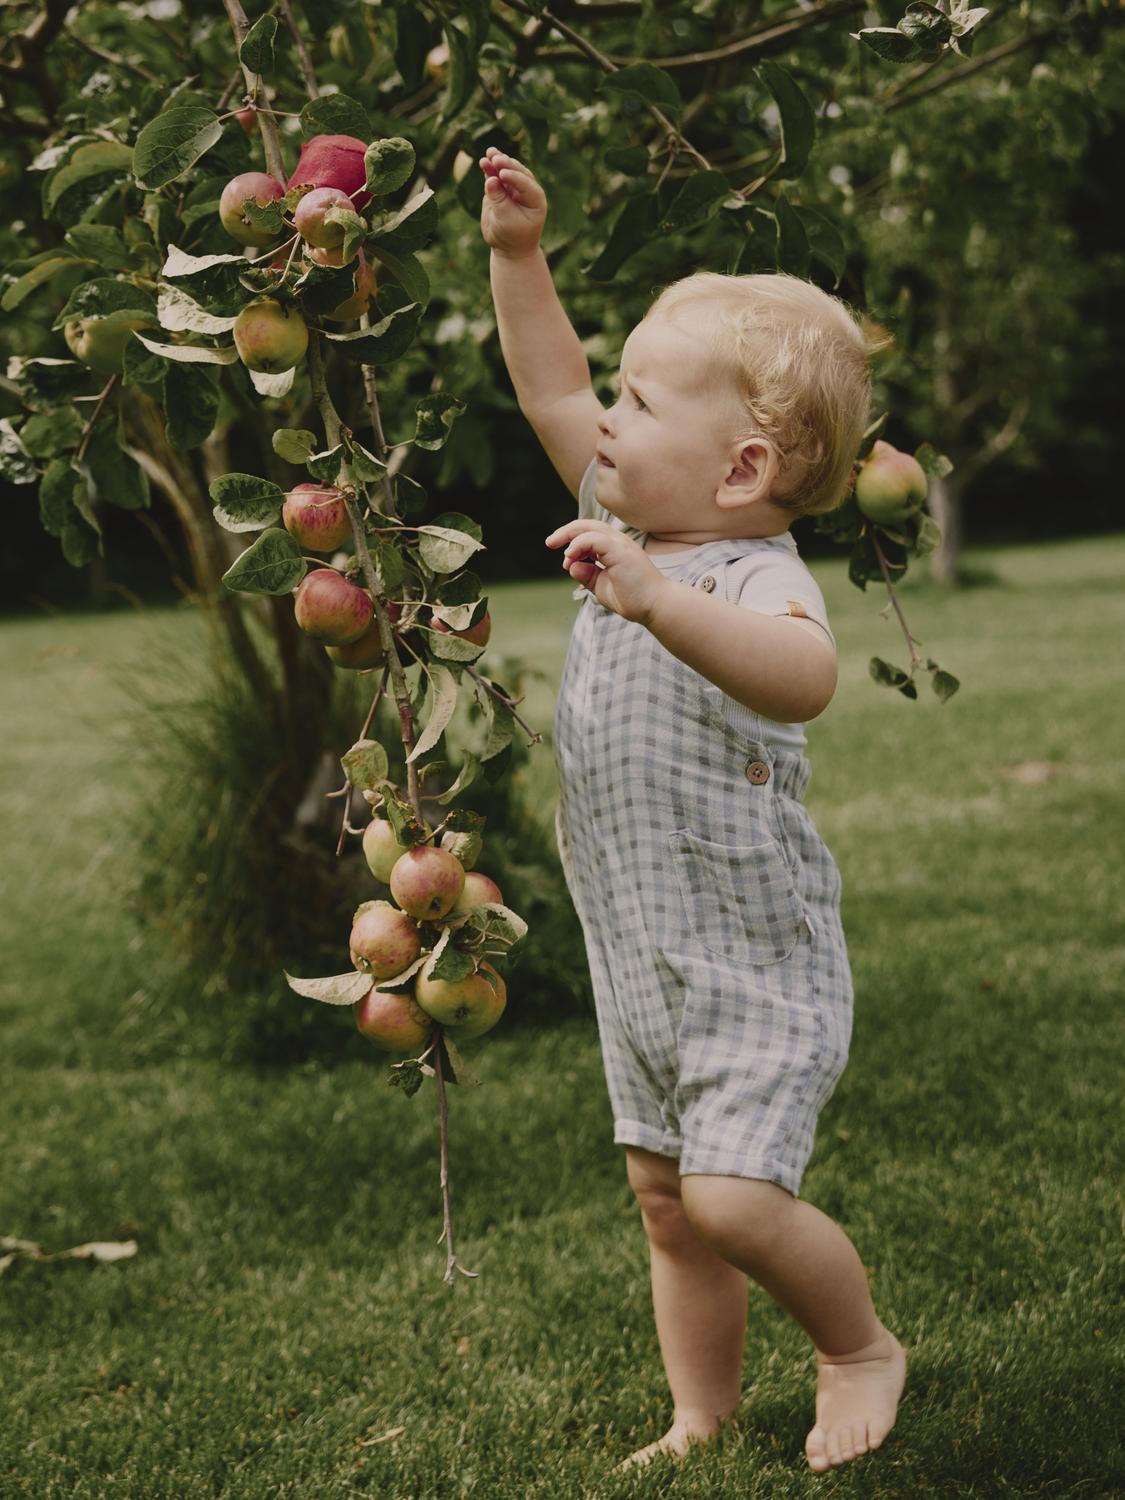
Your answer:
<point x="754" y="467"/>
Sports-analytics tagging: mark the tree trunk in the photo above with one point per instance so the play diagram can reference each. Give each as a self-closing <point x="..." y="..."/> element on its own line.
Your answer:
<point x="945" y="506"/>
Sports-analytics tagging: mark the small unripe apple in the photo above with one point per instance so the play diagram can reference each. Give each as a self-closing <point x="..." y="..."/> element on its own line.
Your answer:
<point x="330" y="608"/>
<point x="477" y="890"/>
<point x="270" y="338"/>
<point x="394" y="1022"/>
<point x="466" y="1008"/>
<point x="316" y="515"/>
<point x="426" y="881"/>
<point x="262" y="189"/>
<point x="100" y="344"/>
<point x="334" y="161"/>
<point x="360" y="299"/>
<point x="478" y="634"/>
<point x="381" y="848"/>
<point x="384" y="940"/>
<point x="309" y="221"/>
<point x="248" y="119"/>
<point x="891" y="485"/>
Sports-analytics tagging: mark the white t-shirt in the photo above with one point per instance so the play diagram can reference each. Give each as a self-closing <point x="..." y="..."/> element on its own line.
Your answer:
<point x="771" y="578"/>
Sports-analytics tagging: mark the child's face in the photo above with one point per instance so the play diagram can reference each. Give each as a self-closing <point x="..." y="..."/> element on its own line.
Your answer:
<point x="670" y="446"/>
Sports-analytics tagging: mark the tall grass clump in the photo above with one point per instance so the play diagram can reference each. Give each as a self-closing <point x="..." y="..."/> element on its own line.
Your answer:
<point x="236" y="877"/>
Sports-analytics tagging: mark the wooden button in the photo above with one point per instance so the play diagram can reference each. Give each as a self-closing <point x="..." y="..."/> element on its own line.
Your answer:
<point x="757" y="771"/>
<point x="707" y="584"/>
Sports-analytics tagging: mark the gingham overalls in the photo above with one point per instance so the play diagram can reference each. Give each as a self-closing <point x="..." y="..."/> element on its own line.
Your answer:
<point x="708" y="901"/>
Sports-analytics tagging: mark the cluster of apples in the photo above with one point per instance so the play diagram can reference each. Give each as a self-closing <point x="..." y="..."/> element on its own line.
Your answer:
<point x="328" y="606"/>
<point x="428" y="882"/>
<point x="891" y="485"/>
<point x="271" y="337"/>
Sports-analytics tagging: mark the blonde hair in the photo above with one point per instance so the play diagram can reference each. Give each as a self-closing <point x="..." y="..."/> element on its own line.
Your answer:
<point x="792" y="359"/>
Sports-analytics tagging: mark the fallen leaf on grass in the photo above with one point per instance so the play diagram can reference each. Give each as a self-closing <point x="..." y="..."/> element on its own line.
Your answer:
<point x="96" y="1250"/>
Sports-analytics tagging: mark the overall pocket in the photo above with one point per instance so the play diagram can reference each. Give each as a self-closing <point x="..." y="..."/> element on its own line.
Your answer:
<point x="740" y="902"/>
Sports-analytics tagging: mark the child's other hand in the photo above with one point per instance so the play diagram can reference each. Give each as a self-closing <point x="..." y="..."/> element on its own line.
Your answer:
<point x="628" y="582"/>
<point x="514" y="208"/>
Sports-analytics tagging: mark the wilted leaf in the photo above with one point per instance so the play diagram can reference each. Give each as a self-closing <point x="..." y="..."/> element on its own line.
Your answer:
<point x="443" y="692"/>
<point x="177" y="312"/>
<point x="338" y="989"/>
<point x="189" y="353"/>
<point x="365" y="765"/>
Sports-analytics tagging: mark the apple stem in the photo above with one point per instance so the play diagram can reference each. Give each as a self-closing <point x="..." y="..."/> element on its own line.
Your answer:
<point x="84" y="441"/>
<point x="509" y="704"/>
<point x="915" y="659"/>
<point x="447" y="1212"/>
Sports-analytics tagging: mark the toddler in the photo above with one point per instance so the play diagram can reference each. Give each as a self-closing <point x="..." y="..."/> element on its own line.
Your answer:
<point x="709" y="904"/>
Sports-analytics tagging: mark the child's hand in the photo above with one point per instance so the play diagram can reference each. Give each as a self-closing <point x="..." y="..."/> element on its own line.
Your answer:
<point x="514" y="208"/>
<point x="629" y="583"/>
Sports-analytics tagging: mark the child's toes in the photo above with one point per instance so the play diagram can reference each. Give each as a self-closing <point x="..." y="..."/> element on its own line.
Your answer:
<point x="859" y="1437"/>
<point x="815" y="1449"/>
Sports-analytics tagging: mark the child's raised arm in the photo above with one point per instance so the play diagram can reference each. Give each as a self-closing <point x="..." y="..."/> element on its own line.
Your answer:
<point x="545" y="360"/>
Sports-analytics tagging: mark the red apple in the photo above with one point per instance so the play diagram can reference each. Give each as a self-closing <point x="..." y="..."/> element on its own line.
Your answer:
<point x="395" y="1023"/>
<point x="384" y="940"/>
<point x="360" y="655"/>
<point x="478" y="633"/>
<point x="317" y="516"/>
<point x="309" y="220"/>
<point x="426" y="881"/>
<point x="891" y="485"/>
<point x="270" y="338"/>
<point x="381" y="848"/>
<point x="262" y="189"/>
<point x="334" y="161"/>
<point x="477" y="889"/>
<point x="330" y="608"/>
<point x="467" y="1008"/>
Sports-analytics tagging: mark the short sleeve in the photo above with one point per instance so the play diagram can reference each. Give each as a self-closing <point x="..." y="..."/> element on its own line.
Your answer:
<point x="774" y="581"/>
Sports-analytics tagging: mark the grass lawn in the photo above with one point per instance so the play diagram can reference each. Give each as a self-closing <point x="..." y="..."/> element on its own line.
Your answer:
<point x="284" y="1329"/>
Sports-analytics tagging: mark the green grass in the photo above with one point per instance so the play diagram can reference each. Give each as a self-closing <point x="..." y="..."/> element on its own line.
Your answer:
<point x="286" y="1307"/>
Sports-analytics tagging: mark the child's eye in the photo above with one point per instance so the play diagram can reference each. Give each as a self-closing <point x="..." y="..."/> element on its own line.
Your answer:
<point x="639" y="402"/>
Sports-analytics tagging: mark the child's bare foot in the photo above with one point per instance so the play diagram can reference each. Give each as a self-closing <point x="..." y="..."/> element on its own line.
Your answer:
<point x="676" y="1442"/>
<point x="856" y="1401"/>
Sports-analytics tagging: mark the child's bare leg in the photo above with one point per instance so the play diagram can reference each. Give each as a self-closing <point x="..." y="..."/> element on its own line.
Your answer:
<point x="807" y="1264"/>
<point x="700" y="1305"/>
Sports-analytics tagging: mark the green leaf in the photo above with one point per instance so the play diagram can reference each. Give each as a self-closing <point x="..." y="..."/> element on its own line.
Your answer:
<point x="411" y="228"/>
<point x="43" y="383"/>
<point x="244" y="502"/>
<point x="928" y="537"/>
<point x="935" y="465"/>
<point x="944" y="685"/>
<point x="30" y="280"/>
<point x="444" y="547"/>
<point x="412" y="41"/>
<point x="435" y="415"/>
<point x="443" y="697"/>
<point x="101" y="243"/>
<point x="50" y="433"/>
<point x="113" y="475"/>
<point x="190" y="354"/>
<point x="335" y="114"/>
<point x="408" y="271"/>
<point x="191" y="404"/>
<point x="697" y="201"/>
<point x="468" y="773"/>
<point x="273" y="565"/>
<point x="826" y="241"/>
<point x="335" y="989"/>
<point x="501" y="731"/>
<point x="798" y="120"/>
<point x="389" y="162"/>
<point x="79" y="545"/>
<point x="172" y="143"/>
<point x="927" y="26"/>
<point x="294" y="444"/>
<point x="56" y="495"/>
<point x="324" y="466"/>
<point x="646" y="82"/>
<point x="365" y="765"/>
<point x="631" y="160"/>
<point x="792" y="241"/>
<point x="385" y="341"/>
<point x="633" y="228"/>
<point x="886" y="674"/>
<point x="888" y="42"/>
<point x="15" y="465"/>
<point x="109" y="298"/>
<point x="256" y="52"/>
<point x="92" y="160"/>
